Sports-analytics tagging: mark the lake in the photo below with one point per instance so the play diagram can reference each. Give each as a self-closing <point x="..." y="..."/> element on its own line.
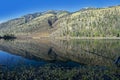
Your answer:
<point x="59" y="59"/>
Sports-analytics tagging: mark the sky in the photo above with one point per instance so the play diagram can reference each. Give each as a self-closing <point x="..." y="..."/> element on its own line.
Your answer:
<point x="10" y="9"/>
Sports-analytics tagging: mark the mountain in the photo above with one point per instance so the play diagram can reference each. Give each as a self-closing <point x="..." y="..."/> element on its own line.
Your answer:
<point x="87" y="22"/>
<point x="19" y="21"/>
<point x="95" y="22"/>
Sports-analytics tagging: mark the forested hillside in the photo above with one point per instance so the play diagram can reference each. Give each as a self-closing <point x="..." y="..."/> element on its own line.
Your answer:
<point x="89" y="22"/>
<point x="92" y="22"/>
<point x="32" y="23"/>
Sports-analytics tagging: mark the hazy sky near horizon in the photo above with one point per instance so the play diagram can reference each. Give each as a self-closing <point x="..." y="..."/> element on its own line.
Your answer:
<point x="10" y="9"/>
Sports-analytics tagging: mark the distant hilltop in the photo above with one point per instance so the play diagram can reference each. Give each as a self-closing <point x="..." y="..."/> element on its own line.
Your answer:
<point x="87" y="22"/>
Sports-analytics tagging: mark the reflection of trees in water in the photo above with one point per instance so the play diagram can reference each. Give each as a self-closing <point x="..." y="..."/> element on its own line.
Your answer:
<point x="25" y="48"/>
<point x="52" y="54"/>
<point x="117" y="61"/>
<point x="87" y="52"/>
<point x="99" y="51"/>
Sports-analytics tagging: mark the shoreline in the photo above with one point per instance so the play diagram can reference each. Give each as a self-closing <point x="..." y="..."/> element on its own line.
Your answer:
<point x="69" y="38"/>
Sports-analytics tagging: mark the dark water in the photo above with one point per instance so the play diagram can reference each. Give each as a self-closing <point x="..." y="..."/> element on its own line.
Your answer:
<point x="60" y="59"/>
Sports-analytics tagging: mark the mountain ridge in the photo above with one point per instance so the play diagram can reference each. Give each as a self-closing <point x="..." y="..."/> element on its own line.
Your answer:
<point x="88" y="22"/>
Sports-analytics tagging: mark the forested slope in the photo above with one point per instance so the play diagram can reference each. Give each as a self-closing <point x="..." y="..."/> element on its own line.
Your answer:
<point x="96" y="22"/>
<point x="89" y="22"/>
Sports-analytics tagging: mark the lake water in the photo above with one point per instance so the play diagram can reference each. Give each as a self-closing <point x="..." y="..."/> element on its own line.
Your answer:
<point x="60" y="59"/>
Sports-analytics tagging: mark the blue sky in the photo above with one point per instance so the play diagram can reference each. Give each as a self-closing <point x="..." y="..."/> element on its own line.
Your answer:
<point x="10" y="9"/>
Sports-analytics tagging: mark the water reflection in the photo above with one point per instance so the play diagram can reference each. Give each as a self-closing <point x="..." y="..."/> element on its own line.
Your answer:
<point x="66" y="60"/>
<point x="11" y="61"/>
<point x="89" y="52"/>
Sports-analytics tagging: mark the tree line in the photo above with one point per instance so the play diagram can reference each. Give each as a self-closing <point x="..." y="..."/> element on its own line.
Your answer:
<point x="8" y="36"/>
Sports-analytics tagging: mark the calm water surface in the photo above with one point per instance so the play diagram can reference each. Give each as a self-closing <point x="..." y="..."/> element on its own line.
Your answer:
<point x="76" y="59"/>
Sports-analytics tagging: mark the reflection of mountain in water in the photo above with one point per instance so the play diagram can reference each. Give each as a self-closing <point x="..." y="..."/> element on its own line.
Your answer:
<point x="90" y="52"/>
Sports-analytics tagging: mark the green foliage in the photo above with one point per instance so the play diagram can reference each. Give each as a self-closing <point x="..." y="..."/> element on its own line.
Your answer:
<point x="118" y="35"/>
<point x="91" y="23"/>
